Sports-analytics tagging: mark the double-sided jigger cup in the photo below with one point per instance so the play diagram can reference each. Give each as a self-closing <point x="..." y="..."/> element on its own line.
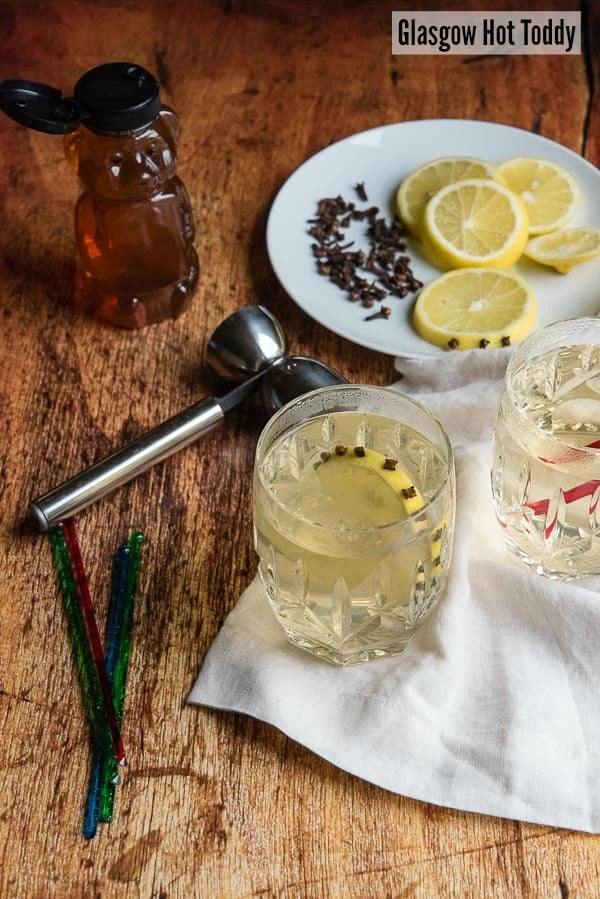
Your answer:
<point x="249" y="348"/>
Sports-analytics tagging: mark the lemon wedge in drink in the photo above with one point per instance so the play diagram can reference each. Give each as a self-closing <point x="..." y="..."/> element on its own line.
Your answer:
<point x="361" y="482"/>
<point x="550" y="193"/>
<point x="470" y="308"/>
<point x="364" y="482"/>
<point x="563" y="250"/>
<point x="419" y="187"/>
<point x="476" y="222"/>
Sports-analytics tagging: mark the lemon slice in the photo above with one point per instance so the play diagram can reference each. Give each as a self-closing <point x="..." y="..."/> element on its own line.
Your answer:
<point x="549" y="192"/>
<point x="471" y="308"/>
<point x="563" y="250"/>
<point x="476" y="222"/>
<point x="362" y="483"/>
<point x="418" y="188"/>
<point x="359" y="479"/>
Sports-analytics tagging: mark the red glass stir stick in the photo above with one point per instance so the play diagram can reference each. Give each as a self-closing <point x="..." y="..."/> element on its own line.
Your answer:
<point x="587" y="488"/>
<point x="541" y="506"/>
<point x="94" y="638"/>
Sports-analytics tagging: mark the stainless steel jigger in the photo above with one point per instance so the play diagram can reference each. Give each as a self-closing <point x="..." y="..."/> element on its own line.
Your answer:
<point x="293" y="376"/>
<point x="245" y="347"/>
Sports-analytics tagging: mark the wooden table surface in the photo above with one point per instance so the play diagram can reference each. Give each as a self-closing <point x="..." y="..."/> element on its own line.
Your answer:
<point x="213" y="804"/>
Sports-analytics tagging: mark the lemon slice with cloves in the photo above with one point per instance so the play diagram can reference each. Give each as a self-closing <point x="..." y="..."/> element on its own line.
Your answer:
<point x="364" y="481"/>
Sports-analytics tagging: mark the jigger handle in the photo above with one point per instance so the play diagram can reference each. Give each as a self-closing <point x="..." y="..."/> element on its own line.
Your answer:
<point x="117" y="469"/>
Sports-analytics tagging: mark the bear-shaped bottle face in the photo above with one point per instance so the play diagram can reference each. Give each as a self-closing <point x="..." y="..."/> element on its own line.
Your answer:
<point x="131" y="166"/>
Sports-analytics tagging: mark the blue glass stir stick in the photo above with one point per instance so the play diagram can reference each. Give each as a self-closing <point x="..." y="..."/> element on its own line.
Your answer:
<point x="121" y="665"/>
<point x="114" y="619"/>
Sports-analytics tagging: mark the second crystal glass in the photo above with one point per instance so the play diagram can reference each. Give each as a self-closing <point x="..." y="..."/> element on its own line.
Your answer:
<point x="546" y="465"/>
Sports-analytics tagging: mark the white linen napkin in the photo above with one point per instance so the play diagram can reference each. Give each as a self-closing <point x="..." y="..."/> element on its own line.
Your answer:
<point x="493" y="708"/>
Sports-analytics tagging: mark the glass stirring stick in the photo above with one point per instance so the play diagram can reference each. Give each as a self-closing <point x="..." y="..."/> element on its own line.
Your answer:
<point x="87" y="610"/>
<point x="84" y="660"/>
<point x="120" y="572"/>
<point x="122" y="652"/>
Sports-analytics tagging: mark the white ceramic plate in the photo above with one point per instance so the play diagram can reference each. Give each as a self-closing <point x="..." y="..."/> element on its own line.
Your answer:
<point x="381" y="158"/>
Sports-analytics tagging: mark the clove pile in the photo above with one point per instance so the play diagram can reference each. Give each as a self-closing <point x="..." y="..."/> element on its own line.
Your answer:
<point x="367" y="277"/>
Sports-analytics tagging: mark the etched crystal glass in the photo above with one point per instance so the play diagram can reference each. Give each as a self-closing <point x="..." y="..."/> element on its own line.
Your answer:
<point x="353" y="519"/>
<point x="546" y="457"/>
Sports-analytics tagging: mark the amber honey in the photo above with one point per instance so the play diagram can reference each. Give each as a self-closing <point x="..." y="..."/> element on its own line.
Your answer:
<point x="134" y="224"/>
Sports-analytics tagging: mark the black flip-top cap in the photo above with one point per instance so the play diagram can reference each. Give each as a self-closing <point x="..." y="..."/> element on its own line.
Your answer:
<point x="39" y="107"/>
<point x="117" y="96"/>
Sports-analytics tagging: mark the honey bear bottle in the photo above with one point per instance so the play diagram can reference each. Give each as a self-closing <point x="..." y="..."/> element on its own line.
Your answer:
<point x="133" y="223"/>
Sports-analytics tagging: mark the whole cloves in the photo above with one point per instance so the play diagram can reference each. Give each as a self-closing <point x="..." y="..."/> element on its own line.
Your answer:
<point x="385" y="260"/>
<point x="384" y="312"/>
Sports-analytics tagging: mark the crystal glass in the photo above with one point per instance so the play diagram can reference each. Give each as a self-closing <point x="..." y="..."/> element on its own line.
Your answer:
<point x="546" y="458"/>
<point x="353" y="519"/>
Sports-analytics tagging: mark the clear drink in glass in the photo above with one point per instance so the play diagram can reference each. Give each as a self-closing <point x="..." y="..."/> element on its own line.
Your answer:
<point x="353" y="550"/>
<point x="546" y="457"/>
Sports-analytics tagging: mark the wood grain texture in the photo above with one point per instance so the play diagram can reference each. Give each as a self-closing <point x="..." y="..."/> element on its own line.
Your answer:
<point x="213" y="804"/>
